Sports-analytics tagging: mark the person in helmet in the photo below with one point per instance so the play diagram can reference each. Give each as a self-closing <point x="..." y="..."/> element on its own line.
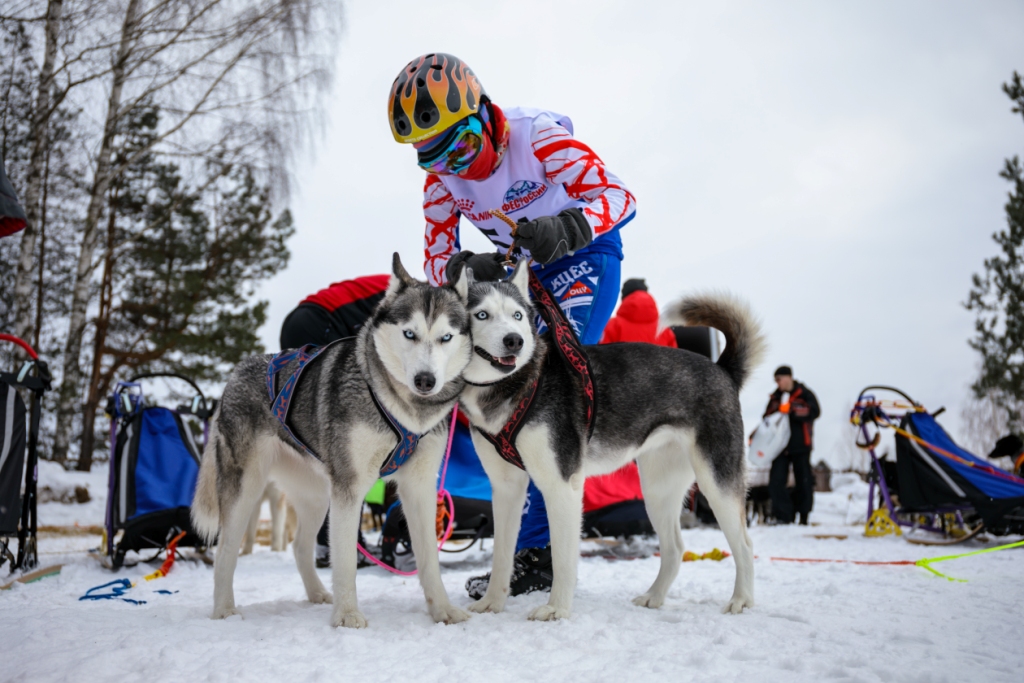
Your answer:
<point x="568" y="206"/>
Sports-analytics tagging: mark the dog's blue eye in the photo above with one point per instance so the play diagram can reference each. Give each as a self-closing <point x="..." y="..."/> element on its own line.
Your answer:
<point x="446" y="338"/>
<point x="409" y="334"/>
<point x="517" y="315"/>
<point x="482" y="315"/>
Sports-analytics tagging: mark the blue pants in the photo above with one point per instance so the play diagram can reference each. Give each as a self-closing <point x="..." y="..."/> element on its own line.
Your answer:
<point x="586" y="286"/>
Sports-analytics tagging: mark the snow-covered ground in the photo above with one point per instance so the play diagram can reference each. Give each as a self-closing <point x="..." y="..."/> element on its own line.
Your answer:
<point x="811" y="622"/>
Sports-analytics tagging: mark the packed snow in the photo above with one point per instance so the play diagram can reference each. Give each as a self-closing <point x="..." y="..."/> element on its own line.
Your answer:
<point x="811" y="622"/>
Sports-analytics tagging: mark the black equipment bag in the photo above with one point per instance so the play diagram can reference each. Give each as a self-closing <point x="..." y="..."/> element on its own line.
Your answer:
<point x="12" y="458"/>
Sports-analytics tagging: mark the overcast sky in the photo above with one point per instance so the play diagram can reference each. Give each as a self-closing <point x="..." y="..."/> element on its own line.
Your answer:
<point x="835" y="164"/>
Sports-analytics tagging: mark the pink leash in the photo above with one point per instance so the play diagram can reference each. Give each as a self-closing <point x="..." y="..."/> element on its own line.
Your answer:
<point x="442" y="497"/>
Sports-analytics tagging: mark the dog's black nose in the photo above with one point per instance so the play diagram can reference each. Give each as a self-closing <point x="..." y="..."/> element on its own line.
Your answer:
<point x="513" y="342"/>
<point x="424" y="381"/>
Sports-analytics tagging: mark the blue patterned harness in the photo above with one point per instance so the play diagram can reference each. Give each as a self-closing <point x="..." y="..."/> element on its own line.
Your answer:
<point x="281" y="403"/>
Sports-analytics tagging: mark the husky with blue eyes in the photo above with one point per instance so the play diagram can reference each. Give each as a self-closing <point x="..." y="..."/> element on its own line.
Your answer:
<point x="675" y="412"/>
<point x="378" y="404"/>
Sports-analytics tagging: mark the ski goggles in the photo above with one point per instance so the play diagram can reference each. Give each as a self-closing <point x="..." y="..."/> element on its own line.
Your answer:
<point x="455" y="150"/>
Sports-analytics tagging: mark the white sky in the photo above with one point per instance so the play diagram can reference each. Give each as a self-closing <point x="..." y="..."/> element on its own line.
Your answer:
<point x="835" y="164"/>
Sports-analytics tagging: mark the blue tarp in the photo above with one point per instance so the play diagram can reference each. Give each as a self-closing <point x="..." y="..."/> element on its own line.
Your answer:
<point x="165" y="471"/>
<point x="992" y="485"/>
<point x="466" y="477"/>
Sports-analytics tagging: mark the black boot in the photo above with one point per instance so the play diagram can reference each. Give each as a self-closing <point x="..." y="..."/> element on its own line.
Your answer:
<point x="531" y="571"/>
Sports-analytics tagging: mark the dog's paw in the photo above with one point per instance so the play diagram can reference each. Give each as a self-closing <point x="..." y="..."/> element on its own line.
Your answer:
<point x="649" y="600"/>
<point x="353" y="619"/>
<point x="448" y="614"/>
<point x="224" y="612"/>
<point x="320" y="597"/>
<point x="548" y="613"/>
<point x="488" y="604"/>
<point x="737" y="604"/>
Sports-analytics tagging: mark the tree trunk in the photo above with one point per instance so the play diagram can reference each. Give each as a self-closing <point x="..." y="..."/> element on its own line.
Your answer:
<point x="40" y="286"/>
<point x="71" y="383"/>
<point x="98" y="381"/>
<point x="23" y="318"/>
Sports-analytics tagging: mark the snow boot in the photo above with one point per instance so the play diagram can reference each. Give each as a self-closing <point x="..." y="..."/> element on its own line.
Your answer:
<point x="531" y="571"/>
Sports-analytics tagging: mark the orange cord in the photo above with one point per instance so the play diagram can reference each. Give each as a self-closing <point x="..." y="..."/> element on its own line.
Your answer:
<point x="512" y="224"/>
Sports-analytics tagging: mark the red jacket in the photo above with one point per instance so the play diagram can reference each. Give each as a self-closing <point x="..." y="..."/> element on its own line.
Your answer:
<point x="637" y="321"/>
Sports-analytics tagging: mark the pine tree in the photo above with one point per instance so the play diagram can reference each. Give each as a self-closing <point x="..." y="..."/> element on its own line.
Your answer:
<point x="180" y="267"/>
<point x="998" y="296"/>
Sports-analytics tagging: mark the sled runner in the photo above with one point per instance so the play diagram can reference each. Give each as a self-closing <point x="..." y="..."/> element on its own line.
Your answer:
<point x="19" y="456"/>
<point x="154" y="462"/>
<point x="935" y="485"/>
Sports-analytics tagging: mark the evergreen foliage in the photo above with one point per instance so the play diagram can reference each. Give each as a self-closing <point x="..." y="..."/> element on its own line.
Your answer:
<point x="180" y="269"/>
<point x="997" y="296"/>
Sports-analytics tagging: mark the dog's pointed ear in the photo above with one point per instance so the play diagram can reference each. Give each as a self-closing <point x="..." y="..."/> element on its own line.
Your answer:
<point x="463" y="278"/>
<point x="521" y="278"/>
<point x="400" y="278"/>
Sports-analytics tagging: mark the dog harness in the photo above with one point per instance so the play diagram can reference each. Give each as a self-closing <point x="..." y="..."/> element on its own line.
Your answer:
<point x="572" y="352"/>
<point x="505" y="441"/>
<point x="281" y="403"/>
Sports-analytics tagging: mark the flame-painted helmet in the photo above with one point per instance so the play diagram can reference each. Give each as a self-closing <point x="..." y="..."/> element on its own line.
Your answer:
<point x="432" y="93"/>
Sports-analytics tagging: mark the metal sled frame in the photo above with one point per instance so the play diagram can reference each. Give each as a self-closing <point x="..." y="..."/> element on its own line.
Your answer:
<point x="946" y="520"/>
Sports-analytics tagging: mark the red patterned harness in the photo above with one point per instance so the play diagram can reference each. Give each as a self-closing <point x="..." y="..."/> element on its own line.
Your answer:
<point x="572" y="352"/>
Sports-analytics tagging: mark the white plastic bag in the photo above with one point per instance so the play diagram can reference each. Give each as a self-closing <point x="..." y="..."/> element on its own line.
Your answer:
<point x="770" y="438"/>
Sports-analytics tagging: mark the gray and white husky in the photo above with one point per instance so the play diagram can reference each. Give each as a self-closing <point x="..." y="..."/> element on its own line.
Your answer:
<point x="412" y="353"/>
<point x="675" y="412"/>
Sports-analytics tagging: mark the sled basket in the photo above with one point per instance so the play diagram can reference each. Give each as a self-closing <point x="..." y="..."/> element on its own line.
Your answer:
<point x="154" y="465"/>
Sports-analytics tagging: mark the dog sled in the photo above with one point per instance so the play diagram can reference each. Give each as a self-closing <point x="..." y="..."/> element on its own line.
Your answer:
<point x="934" y="486"/>
<point x="154" y="463"/>
<point x="19" y="455"/>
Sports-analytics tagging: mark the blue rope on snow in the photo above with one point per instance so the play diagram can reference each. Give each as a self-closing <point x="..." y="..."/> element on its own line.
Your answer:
<point x="117" y="587"/>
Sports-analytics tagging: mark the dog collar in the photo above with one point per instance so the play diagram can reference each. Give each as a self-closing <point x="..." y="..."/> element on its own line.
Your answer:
<point x="485" y="384"/>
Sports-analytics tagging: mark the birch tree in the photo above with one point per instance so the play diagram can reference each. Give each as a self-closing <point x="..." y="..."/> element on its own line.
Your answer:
<point x="23" y="318"/>
<point x="237" y="82"/>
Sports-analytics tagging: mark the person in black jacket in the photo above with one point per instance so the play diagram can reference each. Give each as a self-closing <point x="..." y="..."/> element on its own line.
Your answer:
<point x="803" y="410"/>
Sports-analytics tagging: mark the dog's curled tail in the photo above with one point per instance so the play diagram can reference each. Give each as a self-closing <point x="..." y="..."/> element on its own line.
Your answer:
<point x="205" y="504"/>
<point x="744" y="341"/>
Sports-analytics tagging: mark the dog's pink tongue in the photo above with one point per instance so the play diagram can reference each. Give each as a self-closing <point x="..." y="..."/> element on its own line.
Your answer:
<point x="507" y="360"/>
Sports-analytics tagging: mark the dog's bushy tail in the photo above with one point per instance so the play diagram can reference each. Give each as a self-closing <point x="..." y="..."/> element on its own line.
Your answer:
<point x="744" y="341"/>
<point x="205" y="504"/>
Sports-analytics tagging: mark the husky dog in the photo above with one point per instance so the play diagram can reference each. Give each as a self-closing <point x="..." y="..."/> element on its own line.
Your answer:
<point x="675" y="412"/>
<point x="411" y="353"/>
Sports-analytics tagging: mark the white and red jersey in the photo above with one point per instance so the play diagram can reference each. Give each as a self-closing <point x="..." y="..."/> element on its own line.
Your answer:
<point x="545" y="170"/>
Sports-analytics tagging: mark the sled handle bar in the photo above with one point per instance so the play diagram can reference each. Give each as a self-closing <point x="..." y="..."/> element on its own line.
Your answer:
<point x="885" y="388"/>
<point x="149" y="375"/>
<point x="20" y="342"/>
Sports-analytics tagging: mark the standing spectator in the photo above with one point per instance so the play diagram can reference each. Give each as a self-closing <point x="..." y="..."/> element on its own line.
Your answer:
<point x="803" y="410"/>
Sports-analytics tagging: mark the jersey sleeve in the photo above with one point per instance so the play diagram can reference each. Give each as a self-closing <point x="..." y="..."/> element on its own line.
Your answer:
<point x="441" y="241"/>
<point x="572" y="164"/>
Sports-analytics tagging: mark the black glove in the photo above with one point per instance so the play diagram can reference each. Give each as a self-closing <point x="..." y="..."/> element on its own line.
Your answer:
<point x="549" y="238"/>
<point x="486" y="267"/>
